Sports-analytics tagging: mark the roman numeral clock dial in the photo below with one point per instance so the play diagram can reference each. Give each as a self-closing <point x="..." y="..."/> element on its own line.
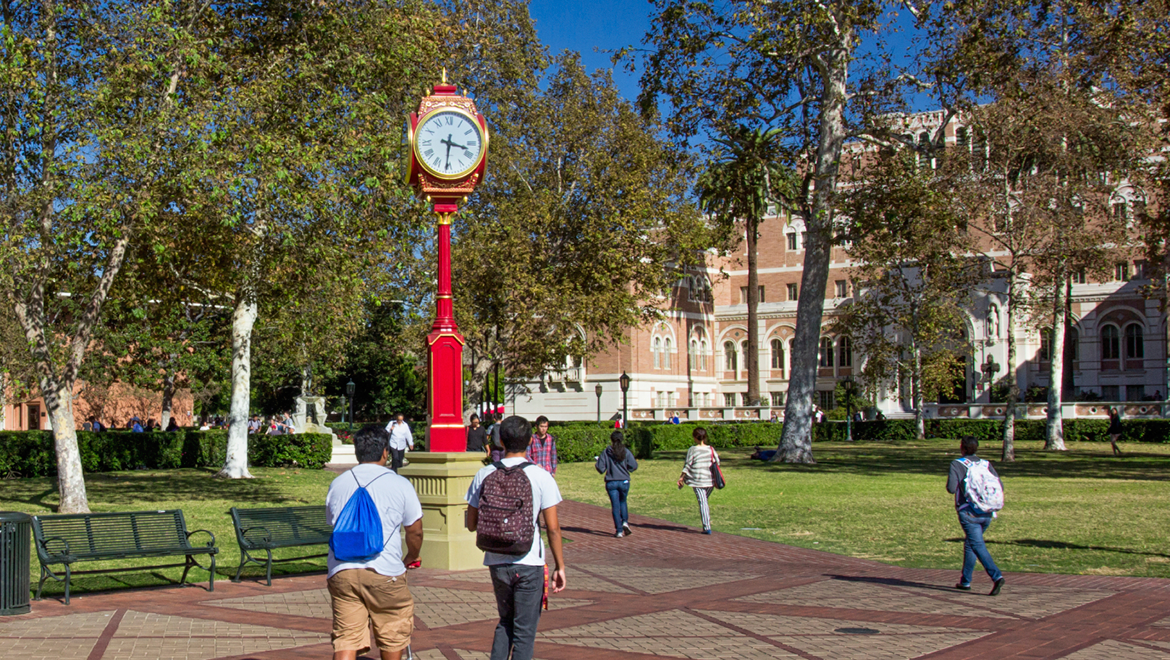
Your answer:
<point x="449" y="143"/>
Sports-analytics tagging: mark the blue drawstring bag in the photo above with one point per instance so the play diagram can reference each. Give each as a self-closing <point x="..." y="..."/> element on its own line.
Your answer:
<point x="357" y="532"/>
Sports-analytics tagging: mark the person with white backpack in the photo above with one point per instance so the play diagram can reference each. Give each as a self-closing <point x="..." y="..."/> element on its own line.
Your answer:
<point x="978" y="496"/>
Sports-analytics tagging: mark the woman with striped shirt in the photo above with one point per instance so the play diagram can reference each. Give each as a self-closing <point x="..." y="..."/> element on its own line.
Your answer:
<point x="697" y="474"/>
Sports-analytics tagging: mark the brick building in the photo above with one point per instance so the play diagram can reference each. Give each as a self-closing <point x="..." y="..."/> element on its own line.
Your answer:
<point x="692" y="361"/>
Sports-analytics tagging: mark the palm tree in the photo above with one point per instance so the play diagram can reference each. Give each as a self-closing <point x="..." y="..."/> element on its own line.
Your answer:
<point x="745" y="175"/>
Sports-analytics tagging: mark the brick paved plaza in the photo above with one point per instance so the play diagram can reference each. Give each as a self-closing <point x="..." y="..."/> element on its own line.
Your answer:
<point x="666" y="591"/>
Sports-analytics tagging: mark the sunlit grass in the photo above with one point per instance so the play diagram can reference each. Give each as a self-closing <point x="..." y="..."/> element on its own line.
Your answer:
<point x="1081" y="511"/>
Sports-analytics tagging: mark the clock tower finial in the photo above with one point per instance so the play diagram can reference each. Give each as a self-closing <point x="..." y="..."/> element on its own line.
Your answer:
<point x="444" y="76"/>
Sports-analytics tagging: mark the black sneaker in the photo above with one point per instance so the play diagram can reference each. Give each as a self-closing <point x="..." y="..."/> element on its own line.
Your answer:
<point x="963" y="587"/>
<point x="996" y="587"/>
<point x="626" y="529"/>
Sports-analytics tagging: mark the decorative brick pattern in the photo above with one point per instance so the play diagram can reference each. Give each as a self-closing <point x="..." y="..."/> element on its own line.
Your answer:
<point x="665" y="592"/>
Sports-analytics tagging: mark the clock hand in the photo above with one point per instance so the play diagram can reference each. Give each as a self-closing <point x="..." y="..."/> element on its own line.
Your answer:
<point x="448" y="143"/>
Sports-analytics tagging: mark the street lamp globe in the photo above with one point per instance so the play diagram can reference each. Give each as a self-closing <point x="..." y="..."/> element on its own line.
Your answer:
<point x="624" y="382"/>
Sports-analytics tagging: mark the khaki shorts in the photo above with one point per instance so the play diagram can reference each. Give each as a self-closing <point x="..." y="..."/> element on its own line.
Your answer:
<point x="362" y="597"/>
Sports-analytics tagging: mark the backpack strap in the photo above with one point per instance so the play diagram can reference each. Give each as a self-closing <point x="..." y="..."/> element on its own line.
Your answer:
<point x="371" y="480"/>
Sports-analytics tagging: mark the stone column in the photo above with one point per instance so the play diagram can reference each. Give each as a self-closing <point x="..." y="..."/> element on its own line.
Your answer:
<point x="441" y="479"/>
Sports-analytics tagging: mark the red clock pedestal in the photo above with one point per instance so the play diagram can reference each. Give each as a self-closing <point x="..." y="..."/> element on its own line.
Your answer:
<point x="445" y="352"/>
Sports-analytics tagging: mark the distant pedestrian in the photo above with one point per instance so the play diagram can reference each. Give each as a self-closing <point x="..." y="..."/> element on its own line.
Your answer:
<point x="87" y="426"/>
<point x="674" y="418"/>
<point x="97" y="425"/>
<point x="135" y="425"/>
<point x="542" y="449"/>
<point x="616" y="463"/>
<point x="696" y="473"/>
<point x="172" y="425"/>
<point x="775" y="417"/>
<point x="521" y="581"/>
<point x="288" y="426"/>
<point x="971" y="476"/>
<point x="1115" y="430"/>
<point x="618" y="422"/>
<point x="476" y="437"/>
<point x="401" y="441"/>
<point x="371" y="591"/>
<point x="497" y="449"/>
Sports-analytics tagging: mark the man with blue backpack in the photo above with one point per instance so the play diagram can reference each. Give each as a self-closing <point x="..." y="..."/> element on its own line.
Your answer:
<point x="978" y="496"/>
<point x="370" y="508"/>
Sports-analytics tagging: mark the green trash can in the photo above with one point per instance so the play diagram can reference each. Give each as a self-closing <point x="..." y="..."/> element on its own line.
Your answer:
<point x="15" y="542"/>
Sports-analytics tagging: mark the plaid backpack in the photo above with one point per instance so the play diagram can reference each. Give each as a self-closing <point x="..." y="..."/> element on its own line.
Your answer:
<point x="505" y="511"/>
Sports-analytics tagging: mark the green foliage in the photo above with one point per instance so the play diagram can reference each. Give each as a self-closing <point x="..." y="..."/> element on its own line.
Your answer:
<point x="31" y="454"/>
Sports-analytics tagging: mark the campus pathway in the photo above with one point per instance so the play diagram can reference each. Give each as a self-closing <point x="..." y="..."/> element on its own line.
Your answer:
<point x="664" y="592"/>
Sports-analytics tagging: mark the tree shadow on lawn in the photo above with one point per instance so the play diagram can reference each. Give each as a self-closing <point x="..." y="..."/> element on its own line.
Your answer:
<point x="123" y="491"/>
<point x="1062" y="545"/>
<point x="889" y="459"/>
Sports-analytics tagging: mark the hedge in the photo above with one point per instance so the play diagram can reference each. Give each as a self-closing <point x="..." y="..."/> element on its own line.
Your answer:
<point x="582" y="441"/>
<point x="31" y="453"/>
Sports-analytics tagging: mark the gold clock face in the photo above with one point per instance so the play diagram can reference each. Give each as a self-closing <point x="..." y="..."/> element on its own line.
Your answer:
<point x="449" y="143"/>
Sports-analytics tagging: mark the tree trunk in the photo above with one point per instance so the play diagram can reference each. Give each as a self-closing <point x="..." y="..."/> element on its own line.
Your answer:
<point x="235" y="465"/>
<point x="753" y="315"/>
<point x="1009" y="419"/>
<point x="917" y="393"/>
<point x="796" y="437"/>
<point x="1054" y="439"/>
<point x="168" y="401"/>
<point x="70" y="476"/>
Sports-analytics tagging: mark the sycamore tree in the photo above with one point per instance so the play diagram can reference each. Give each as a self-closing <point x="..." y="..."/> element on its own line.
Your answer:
<point x="747" y="175"/>
<point x="793" y="65"/>
<point x="96" y="107"/>
<point x="297" y="168"/>
<point x="914" y="277"/>
<point x="1040" y="173"/>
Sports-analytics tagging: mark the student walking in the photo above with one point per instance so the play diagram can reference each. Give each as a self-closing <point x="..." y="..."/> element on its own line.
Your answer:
<point x="975" y="483"/>
<point x="697" y="474"/>
<point x="542" y="449"/>
<point x="616" y="463"/>
<point x="514" y="551"/>
<point x="401" y="441"/>
<point x="1115" y="430"/>
<point x="372" y="589"/>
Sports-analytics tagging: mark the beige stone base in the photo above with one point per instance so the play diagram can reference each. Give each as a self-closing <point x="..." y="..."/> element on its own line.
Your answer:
<point x="441" y="479"/>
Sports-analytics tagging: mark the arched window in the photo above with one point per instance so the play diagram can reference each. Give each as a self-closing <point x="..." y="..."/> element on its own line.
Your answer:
<point x="1134" y="346"/>
<point x="1045" y="345"/>
<point x="656" y="349"/>
<point x="1110" y="344"/>
<point x="667" y="346"/>
<point x="730" y="357"/>
<point x="1072" y="344"/>
<point x="845" y="352"/>
<point x="826" y="352"/>
<point x="777" y="354"/>
<point x="693" y="355"/>
<point x="704" y="351"/>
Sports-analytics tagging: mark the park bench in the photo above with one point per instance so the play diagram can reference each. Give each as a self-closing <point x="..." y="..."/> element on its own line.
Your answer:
<point x="71" y="538"/>
<point x="278" y="527"/>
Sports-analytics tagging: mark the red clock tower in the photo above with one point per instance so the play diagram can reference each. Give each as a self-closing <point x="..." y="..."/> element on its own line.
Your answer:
<point x="446" y="159"/>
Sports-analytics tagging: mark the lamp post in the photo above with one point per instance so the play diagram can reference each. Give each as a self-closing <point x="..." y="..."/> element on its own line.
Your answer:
<point x="624" y="382"/>
<point x="850" y="388"/>
<point x="597" y="391"/>
<point x="349" y="389"/>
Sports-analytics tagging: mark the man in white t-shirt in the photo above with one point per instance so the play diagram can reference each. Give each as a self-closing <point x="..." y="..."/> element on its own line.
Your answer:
<point x="401" y="441"/>
<point x="519" y="580"/>
<point x="375" y="591"/>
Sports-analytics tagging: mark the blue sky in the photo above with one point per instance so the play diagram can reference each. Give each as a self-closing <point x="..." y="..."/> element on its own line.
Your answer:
<point x="594" y="25"/>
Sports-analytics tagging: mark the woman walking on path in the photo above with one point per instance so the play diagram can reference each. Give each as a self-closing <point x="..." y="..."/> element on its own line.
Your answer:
<point x="1115" y="430"/>
<point x="697" y="474"/>
<point x="616" y="463"/>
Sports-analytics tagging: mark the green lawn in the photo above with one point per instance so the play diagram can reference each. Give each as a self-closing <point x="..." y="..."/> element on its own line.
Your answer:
<point x="205" y="502"/>
<point x="1077" y="512"/>
<point x="1082" y="511"/>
